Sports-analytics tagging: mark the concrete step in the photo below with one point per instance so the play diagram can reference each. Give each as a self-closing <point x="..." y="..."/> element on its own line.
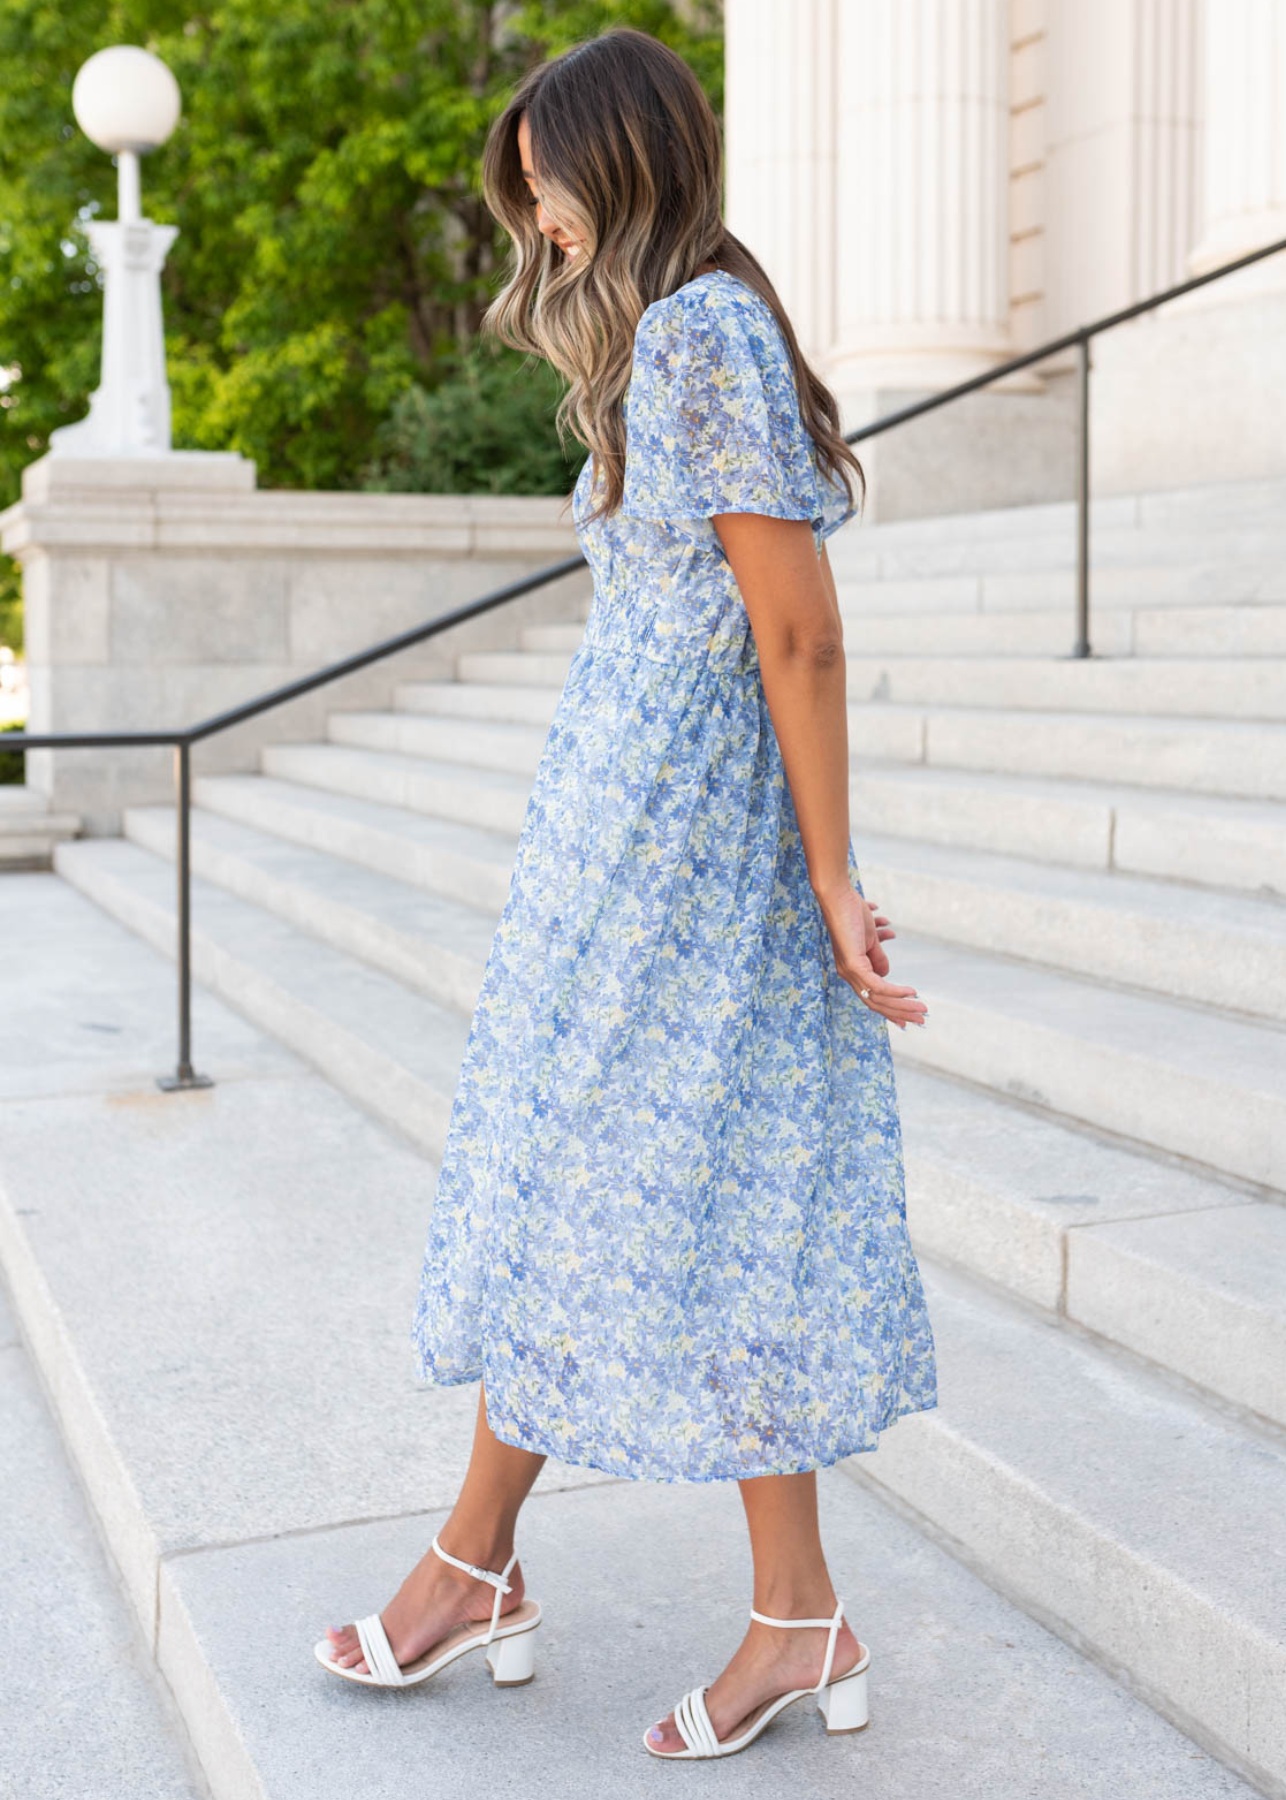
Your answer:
<point x="435" y="945"/>
<point x="250" y="1382"/>
<point x="116" y="1733"/>
<point x="1049" y="1464"/>
<point x="1209" y="631"/>
<point x="395" y="1052"/>
<point x="508" y="703"/>
<point x="1013" y="575"/>
<point x="1218" y="506"/>
<point x="28" y="829"/>
<point x="485" y="743"/>
<point x="238" y="1335"/>
<point x="1090" y="1490"/>
<point x="479" y="702"/>
<point x="1160" y="1259"/>
<point x="1248" y="630"/>
<point x="1197" y="756"/>
<point x="457" y="861"/>
<point x="1227" y="686"/>
<point x="511" y="668"/>
<point x="449" y="792"/>
<point x="1142" y="530"/>
<point x="1186" y="1080"/>
<point x="913" y="1604"/>
<point x="1142" y="933"/>
<point x="1214" y="841"/>
<point x="1162" y="529"/>
<point x="1207" y="756"/>
<point x="977" y="1160"/>
<point x="1136" y="931"/>
<point x="1150" y="1069"/>
<point x="440" y="949"/>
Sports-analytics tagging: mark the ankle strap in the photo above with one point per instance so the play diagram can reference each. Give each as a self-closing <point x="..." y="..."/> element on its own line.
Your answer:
<point x="497" y="1581"/>
<point x="833" y="1622"/>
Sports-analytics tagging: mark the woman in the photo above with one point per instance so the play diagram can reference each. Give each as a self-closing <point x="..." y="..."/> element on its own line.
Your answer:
<point x="669" y="1230"/>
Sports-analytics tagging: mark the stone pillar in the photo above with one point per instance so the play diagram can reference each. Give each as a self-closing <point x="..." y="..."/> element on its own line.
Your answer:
<point x="782" y="81"/>
<point x="1121" y="154"/>
<point x="1192" y="395"/>
<point x="922" y="204"/>
<point x="867" y="151"/>
<point x="1245" y="139"/>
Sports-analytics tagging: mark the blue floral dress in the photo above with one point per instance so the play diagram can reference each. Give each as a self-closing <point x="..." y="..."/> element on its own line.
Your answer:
<point x="669" y="1228"/>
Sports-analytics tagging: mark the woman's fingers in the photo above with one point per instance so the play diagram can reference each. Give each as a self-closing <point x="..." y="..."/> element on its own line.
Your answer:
<point x="883" y="929"/>
<point x="864" y="964"/>
<point x="901" y="1005"/>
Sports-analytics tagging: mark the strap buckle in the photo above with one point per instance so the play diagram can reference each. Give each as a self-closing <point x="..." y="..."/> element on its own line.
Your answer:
<point x="497" y="1581"/>
<point x="488" y="1575"/>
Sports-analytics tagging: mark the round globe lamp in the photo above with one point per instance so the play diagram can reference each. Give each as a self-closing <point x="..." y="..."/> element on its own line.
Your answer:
<point x="127" y="102"/>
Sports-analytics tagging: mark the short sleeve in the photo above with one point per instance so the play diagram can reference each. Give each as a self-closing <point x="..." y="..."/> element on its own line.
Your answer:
<point x="712" y="417"/>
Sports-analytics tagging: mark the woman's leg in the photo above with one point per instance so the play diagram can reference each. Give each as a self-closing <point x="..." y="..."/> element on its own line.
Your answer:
<point x="791" y="1582"/>
<point x="436" y="1596"/>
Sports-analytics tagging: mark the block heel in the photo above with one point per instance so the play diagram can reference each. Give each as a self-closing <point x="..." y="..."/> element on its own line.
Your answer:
<point x="842" y="1703"/>
<point x="513" y="1659"/>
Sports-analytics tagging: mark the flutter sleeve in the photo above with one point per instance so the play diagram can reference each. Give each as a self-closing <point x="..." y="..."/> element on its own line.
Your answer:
<point x="712" y="418"/>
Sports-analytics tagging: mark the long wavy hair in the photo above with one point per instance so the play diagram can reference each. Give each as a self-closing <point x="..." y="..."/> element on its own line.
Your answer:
<point x="627" y="152"/>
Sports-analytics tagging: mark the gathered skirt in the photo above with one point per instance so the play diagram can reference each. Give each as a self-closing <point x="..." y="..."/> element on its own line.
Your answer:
<point x="669" y="1226"/>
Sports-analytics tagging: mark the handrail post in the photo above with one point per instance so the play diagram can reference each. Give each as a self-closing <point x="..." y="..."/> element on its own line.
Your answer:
<point x="185" y="1076"/>
<point x="1082" y="645"/>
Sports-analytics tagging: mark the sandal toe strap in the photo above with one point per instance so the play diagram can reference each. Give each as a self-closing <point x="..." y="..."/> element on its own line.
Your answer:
<point x="378" y="1652"/>
<point x="694" y="1725"/>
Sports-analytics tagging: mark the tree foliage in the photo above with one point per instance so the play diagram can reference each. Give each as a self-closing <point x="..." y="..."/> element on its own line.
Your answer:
<point x="335" y="256"/>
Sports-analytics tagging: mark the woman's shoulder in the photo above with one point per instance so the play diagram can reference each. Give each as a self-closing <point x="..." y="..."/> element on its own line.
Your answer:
<point x="719" y="306"/>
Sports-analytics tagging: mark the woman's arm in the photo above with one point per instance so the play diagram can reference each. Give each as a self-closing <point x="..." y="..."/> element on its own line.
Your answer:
<point x="789" y="595"/>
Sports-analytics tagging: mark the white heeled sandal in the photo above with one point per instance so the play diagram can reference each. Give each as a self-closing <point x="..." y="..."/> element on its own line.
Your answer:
<point x="842" y="1702"/>
<point x="510" y="1648"/>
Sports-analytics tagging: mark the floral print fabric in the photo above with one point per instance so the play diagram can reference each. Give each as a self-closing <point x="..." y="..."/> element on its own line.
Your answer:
<point x="669" y="1228"/>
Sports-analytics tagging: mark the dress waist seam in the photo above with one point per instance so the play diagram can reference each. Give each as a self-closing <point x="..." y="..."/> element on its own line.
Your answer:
<point x="734" y="662"/>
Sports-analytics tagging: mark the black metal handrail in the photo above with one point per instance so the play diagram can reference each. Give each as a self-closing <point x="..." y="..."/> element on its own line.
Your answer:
<point x="183" y="739"/>
<point x="185" y="1076"/>
<point x="1080" y="340"/>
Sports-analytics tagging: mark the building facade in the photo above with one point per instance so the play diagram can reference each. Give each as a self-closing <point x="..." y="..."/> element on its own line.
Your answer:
<point x="937" y="185"/>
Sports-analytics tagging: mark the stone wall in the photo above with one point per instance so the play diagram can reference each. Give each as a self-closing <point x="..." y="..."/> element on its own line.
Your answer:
<point x="161" y="591"/>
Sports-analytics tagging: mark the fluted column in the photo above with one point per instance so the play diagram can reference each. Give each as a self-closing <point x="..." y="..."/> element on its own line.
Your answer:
<point x="1245" y="137"/>
<point x="922" y="216"/>
<point x="782" y="79"/>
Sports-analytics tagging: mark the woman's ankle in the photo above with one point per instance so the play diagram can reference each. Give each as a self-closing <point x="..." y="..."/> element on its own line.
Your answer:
<point x="486" y="1546"/>
<point x="796" y="1600"/>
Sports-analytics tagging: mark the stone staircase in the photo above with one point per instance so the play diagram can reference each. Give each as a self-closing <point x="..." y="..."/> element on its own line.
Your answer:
<point x="116" y="1721"/>
<point x="1085" y="862"/>
<point x="29" y="829"/>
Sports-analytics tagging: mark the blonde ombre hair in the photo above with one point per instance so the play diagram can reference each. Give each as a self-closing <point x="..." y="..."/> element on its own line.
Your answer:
<point x="626" y="149"/>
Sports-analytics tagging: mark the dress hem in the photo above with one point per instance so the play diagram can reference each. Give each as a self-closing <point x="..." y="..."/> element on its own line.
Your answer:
<point x="743" y="1474"/>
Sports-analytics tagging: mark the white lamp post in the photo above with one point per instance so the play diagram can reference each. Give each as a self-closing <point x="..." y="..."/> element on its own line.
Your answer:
<point x="127" y="102"/>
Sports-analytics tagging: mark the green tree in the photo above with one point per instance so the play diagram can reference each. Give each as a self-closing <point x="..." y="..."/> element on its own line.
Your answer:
<point x="335" y="255"/>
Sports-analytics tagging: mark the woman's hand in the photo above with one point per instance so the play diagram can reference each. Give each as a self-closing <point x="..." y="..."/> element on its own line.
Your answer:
<point x="856" y="932"/>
